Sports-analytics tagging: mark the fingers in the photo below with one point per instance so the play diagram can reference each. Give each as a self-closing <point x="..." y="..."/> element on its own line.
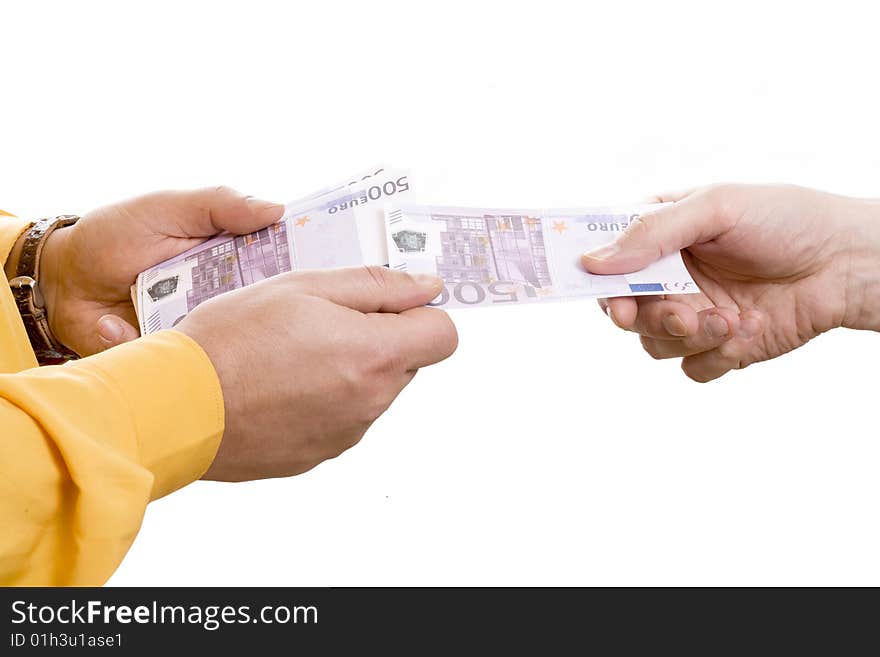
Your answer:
<point x="730" y="355"/>
<point x="715" y="326"/>
<point x="711" y="341"/>
<point x="113" y="330"/>
<point x="666" y="319"/>
<point x="695" y="218"/>
<point x="674" y="320"/>
<point x="369" y="289"/>
<point x="652" y="316"/>
<point x="672" y="328"/>
<point x="208" y="211"/>
<point x="421" y="336"/>
<point x="621" y="310"/>
<point x="395" y="302"/>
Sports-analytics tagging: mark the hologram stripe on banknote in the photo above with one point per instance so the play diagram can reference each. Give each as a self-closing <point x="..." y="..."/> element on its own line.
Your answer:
<point x="489" y="256"/>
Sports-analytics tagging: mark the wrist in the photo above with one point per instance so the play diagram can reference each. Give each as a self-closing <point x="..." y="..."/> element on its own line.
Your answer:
<point x="862" y="290"/>
<point x="51" y="278"/>
<point x="27" y="286"/>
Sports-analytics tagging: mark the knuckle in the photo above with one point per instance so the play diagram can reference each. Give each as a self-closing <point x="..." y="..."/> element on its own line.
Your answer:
<point x="721" y="198"/>
<point x="697" y="343"/>
<point x="361" y="392"/>
<point x="379" y="367"/>
<point x="381" y="358"/>
<point x="224" y="190"/>
<point x="718" y="191"/>
<point x="729" y="351"/>
<point x="298" y="280"/>
<point x="346" y="442"/>
<point x="352" y="383"/>
<point x="375" y="275"/>
<point x="292" y="277"/>
<point x="694" y="373"/>
<point x="372" y="400"/>
<point x="447" y="334"/>
<point x="352" y="441"/>
<point x="378" y="405"/>
<point x="367" y="379"/>
<point x="638" y="228"/>
<point x="650" y="347"/>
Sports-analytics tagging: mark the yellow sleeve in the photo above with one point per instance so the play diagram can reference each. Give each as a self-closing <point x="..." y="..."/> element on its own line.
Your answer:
<point x="84" y="447"/>
<point x="15" y="351"/>
<point x="87" y="445"/>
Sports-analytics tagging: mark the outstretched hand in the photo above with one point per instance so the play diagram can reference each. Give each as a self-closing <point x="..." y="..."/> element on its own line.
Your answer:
<point x="777" y="266"/>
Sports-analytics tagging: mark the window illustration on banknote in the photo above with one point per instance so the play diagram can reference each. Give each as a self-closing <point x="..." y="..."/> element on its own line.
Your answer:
<point x="237" y="262"/>
<point x="491" y="248"/>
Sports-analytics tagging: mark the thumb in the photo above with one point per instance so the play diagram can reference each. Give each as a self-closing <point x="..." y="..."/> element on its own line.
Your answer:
<point x="113" y="330"/>
<point x="369" y="289"/>
<point x="224" y="208"/>
<point x="694" y="219"/>
<point x="206" y="212"/>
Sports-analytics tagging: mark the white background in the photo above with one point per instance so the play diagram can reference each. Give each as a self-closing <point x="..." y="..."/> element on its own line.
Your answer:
<point x="549" y="449"/>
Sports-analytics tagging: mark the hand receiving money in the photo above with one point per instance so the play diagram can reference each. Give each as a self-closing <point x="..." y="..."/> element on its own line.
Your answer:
<point x="777" y="266"/>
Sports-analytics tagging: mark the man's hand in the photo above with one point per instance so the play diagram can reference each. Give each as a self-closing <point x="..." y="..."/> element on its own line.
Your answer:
<point x="308" y="360"/>
<point x="777" y="265"/>
<point x="88" y="269"/>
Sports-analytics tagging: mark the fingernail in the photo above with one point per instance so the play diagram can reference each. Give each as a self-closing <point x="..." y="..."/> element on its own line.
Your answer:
<point x="674" y="326"/>
<point x="610" y="314"/>
<point x="750" y="328"/>
<point x="428" y="281"/>
<point x="109" y="329"/>
<point x="260" y="205"/>
<point x="716" y="326"/>
<point x="603" y="252"/>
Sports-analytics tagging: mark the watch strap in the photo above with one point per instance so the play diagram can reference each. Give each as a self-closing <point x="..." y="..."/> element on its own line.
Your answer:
<point x="26" y="291"/>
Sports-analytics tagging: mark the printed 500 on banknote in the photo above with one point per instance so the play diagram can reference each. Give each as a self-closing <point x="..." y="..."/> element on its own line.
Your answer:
<point x="490" y="256"/>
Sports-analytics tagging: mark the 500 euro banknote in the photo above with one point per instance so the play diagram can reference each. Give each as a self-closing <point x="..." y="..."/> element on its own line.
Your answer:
<point x="338" y="227"/>
<point x="492" y="256"/>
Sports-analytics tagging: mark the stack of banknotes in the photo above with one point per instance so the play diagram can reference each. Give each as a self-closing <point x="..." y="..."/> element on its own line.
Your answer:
<point x="485" y="256"/>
